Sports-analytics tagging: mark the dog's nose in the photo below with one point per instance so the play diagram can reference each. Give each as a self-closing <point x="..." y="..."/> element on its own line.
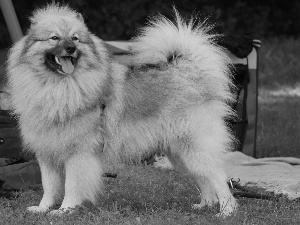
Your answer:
<point x="70" y="49"/>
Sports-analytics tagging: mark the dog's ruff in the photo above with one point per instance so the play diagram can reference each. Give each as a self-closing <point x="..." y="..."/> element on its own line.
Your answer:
<point x="77" y="119"/>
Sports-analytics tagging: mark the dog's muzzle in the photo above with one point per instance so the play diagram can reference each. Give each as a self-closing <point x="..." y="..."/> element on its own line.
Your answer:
<point x="62" y="60"/>
<point x="61" y="64"/>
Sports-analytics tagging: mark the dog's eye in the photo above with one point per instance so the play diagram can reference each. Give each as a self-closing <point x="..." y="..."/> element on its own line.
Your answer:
<point x="75" y="38"/>
<point x="54" y="38"/>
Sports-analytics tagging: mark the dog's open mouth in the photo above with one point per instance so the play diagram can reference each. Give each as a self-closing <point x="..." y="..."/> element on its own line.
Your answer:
<point x="61" y="64"/>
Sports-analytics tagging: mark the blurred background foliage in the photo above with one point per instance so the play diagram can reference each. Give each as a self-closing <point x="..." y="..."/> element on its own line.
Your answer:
<point x="119" y="20"/>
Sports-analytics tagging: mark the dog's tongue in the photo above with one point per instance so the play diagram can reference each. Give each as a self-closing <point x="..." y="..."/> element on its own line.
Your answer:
<point x="66" y="64"/>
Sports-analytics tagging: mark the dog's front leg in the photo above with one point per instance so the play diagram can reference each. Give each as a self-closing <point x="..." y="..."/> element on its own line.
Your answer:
<point x="83" y="180"/>
<point x="52" y="186"/>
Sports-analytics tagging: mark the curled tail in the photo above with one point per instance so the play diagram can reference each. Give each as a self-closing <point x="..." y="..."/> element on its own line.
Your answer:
<point x="185" y="44"/>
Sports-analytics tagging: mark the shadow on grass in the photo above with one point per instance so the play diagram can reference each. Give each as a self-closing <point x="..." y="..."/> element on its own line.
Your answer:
<point x="143" y="188"/>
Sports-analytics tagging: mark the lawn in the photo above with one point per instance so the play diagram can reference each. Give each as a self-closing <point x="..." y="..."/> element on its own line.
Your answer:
<point x="279" y="98"/>
<point x="278" y="124"/>
<point x="144" y="195"/>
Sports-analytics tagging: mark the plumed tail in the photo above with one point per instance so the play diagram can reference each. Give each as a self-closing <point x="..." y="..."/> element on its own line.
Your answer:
<point x="185" y="44"/>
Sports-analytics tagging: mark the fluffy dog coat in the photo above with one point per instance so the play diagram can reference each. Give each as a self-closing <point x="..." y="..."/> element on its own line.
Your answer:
<point x="78" y="109"/>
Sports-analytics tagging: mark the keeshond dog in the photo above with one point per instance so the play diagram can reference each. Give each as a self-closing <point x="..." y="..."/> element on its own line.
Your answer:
<point x="79" y="109"/>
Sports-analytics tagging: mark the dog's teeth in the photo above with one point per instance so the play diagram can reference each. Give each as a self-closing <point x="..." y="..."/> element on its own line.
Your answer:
<point x="61" y="72"/>
<point x="57" y="60"/>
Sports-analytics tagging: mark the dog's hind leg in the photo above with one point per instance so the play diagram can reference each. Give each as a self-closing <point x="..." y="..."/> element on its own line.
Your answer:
<point x="52" y="186"/>
<point x="201" y="154"/>
<point x="83" y="180"/>
<point x="204" y="167"/>
<point x="211" y="180"/>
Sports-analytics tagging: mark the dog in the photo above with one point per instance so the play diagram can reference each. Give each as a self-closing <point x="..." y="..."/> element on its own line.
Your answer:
<point x="79" y="110"/>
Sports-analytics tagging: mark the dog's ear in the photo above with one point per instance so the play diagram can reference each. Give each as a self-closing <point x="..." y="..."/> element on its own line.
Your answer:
<point x="79" y="16"/>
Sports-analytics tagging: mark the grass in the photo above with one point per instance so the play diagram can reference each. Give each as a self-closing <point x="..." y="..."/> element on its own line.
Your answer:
<point x="279" y="102"/>
<point x="144" y="195"/>
<point x="279" y="63"/>
<point x="278" y="125"/>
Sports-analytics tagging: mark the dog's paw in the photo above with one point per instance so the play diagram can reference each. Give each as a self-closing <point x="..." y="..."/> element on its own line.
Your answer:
<point x="204" y="202"/>
<point x="225" y="214"/>
<point x="228" y="209"/>
<point x="37" y="209"/>
<point x="199" y="206"/>
<point x="61" y="211"/>
<point x="162" y="162"/>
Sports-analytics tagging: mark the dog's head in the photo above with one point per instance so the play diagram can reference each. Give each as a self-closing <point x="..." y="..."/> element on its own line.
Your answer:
<point x="63" y="56"/>
<point x="57" y="39"/>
